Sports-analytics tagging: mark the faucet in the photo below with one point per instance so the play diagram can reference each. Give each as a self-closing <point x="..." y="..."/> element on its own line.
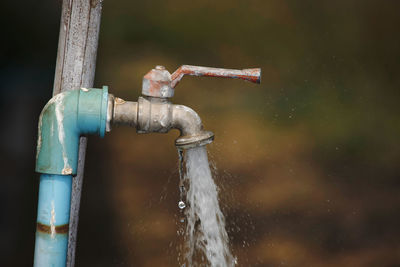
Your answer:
<point x="153" y="112"/>
<point x="71" y="114"/>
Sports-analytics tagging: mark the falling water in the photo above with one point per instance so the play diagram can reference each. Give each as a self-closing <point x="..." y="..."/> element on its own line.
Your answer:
<point x="206" y="238"/>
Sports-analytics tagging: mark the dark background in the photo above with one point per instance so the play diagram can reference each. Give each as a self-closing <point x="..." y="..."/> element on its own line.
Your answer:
<point x="307" y="162"/>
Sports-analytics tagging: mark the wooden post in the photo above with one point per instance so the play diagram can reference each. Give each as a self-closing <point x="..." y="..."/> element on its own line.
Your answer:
<point x="75" y="68"/>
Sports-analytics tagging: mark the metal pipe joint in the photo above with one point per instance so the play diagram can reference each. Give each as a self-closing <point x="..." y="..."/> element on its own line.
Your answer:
<point x="159" y="115"/>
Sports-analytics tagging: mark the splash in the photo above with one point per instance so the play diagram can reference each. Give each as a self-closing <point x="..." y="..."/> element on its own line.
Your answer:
<point x="207" y="242"/>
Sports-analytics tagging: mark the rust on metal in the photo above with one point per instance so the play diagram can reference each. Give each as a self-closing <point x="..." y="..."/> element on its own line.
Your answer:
<point x="157" y="83"/>
<point x="60" y="229"/>
<point x="160" y="83"/>
<point x="252" y="75"/>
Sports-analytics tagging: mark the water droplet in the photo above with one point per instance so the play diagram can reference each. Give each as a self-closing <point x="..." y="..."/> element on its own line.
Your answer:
<point x="181" y="205"/>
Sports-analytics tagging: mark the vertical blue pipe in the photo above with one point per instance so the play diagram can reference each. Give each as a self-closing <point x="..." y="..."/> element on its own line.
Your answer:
<point x="52" y="220"/>
<point x="63" y="120"/>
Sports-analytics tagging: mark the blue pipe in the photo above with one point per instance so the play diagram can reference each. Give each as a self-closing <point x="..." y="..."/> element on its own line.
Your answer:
<point x="63" y="120"/>
<point x="52" y="220"/>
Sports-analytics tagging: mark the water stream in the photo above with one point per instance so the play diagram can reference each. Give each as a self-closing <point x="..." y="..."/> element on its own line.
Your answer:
<point x="206" y="239"/>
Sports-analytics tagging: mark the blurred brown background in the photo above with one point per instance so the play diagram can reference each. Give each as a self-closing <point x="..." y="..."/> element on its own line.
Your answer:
<point x="307" y="162"/>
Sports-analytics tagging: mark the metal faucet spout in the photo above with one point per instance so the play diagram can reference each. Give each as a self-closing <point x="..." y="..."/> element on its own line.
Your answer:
<point x="188" y="122"/>
<point x="158" y="115"/>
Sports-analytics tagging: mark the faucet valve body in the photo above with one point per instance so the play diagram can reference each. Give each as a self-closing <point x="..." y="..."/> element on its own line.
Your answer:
<point x="155" y="113"/>
<point x="159" y="115"/>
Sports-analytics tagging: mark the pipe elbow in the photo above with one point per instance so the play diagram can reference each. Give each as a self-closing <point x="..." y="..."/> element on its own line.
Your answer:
<point x="63" y="120"/>
<point x="188" y="122"/>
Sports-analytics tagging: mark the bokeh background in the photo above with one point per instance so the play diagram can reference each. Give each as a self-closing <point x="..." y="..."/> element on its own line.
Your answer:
<point x="307" y="162"/>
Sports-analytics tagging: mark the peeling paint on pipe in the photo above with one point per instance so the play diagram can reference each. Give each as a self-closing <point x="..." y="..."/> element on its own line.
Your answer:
<point x="63" y="120"/>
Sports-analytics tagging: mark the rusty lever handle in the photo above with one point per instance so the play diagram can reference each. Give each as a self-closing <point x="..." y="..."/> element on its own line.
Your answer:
<point x="252" y="75"/>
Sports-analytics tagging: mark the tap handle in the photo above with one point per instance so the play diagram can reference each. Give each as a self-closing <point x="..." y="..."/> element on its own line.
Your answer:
<point x="160" y="83"/>
<point x="252" y="75"/>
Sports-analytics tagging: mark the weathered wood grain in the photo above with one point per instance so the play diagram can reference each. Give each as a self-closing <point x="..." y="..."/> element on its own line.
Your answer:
<point x="75" y="68"/>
